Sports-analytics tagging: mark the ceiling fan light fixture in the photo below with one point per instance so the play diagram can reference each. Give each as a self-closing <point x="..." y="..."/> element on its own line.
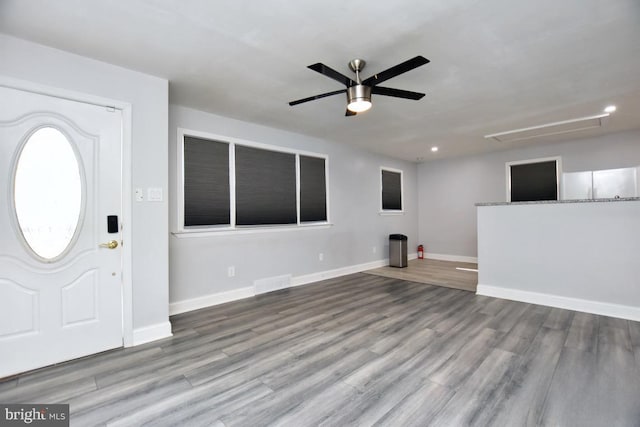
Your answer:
<point x="359" y="98"/>
<point x="359" y="106"/>
<point x="359" y="91"/>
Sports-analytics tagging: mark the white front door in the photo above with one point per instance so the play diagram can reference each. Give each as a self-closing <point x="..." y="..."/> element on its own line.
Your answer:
<point x="60" y="278"/>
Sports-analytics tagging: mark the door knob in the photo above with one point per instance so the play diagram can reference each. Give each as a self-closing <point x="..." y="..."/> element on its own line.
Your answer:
<point x="111" y="244"/>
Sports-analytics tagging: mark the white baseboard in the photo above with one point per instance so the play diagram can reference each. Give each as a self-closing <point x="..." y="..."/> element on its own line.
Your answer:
<point x="151" y="333"/>
<point x="262" y="285"/>
<point x="576" y="304"/>
<point x="455" y="258"/>
<point x="331" y="274"/>
<point x="210" y="300"/>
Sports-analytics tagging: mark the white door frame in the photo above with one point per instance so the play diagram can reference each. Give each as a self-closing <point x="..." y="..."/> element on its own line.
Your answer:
<point x="126" y="108"/>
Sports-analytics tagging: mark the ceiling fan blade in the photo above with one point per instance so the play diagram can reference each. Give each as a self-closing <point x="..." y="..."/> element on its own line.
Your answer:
<point x="349" y="113"/>
<point x="398" y="93"/>
<point x="396" y="70"/>
<point x="332" y="74"/>
<point x="312" y="98"/>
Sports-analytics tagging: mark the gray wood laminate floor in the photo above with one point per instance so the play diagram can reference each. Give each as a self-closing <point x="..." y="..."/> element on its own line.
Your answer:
<point x="434" y="272"/>
<point x="359" y="350"/>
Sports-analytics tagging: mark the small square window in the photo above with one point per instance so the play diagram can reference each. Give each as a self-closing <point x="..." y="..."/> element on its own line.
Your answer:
<point x="533" y="180"/>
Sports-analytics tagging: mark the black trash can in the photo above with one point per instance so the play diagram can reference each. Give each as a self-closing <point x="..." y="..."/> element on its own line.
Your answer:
<point x="397" y="250"/>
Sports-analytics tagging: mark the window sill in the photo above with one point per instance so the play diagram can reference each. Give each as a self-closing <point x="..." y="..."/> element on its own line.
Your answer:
<point x="187" y="234"/>
<point x="390" y="213"/>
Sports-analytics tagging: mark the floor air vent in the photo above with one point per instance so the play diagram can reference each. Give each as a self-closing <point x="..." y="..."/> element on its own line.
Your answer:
<point x="271" y="284"/>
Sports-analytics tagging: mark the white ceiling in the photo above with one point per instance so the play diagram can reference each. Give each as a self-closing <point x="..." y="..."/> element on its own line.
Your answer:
<point x="495" y="65"/>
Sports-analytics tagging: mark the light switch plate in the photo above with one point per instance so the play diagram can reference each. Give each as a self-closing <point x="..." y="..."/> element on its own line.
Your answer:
<point x="139" y="195"/>
<point x="154" y="194"/>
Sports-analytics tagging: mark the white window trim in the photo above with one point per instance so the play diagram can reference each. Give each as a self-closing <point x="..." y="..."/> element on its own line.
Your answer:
<point x="508" y="165"/>
<point x="187" y="234"/>
<point x="392" y="211"/>
<point x="202" y="231"/>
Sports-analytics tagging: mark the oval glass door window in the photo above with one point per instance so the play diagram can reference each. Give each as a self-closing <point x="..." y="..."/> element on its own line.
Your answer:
<point x="48" y="193"/>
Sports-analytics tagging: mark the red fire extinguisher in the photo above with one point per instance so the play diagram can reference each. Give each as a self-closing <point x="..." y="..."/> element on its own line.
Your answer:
<point x="420" y="252"/>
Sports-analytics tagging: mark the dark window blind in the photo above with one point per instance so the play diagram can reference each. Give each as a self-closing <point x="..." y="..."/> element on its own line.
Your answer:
<point x="534" y="181"/>
<point x="391" y="190"/>
<point x="313" y="191"/>
<point x="206" y="182"/>
<point x="265" y="187"/>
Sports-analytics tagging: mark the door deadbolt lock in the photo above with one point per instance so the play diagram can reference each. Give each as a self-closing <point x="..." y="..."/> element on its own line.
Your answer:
<point x="111" y="244"/>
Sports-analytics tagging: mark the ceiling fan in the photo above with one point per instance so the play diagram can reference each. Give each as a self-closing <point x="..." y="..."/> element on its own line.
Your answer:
<point x="359" y="91"/>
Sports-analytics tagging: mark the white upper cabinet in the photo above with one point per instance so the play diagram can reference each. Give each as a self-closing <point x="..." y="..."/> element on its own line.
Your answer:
<point x="577" y="185"/>
<point x="602" y="184"/>
<point x="613" y="183"/>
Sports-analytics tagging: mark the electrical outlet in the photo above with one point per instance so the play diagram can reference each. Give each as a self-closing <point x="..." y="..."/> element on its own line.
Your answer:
<point x="321" y="256"/>
<point x="374" y="249"/>
<point x="231" y="271"/>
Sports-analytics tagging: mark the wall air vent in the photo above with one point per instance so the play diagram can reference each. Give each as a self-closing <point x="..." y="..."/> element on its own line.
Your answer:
<point x="550" y="129"/>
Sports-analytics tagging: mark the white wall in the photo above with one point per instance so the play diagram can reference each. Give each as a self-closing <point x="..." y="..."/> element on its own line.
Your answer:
<point x="199" y="265"/>
<point x="148" y="97"/>
<point x="449" y="189"/>
<point x="580" y="256"/>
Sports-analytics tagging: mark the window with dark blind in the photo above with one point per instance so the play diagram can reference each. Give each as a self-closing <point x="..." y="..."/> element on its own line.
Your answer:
<point x="391" y="190"/>
<point x="206" y="182"/>
<point x="227" y="185"/>
<point x="265" y="187"/>
<point x="534" y="181"/>
<point x="313" y="189"/>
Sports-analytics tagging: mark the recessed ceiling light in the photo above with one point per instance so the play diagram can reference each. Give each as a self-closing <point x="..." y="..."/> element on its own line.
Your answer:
<point x="434" y="149"/>
<point x="610" y="109"/>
